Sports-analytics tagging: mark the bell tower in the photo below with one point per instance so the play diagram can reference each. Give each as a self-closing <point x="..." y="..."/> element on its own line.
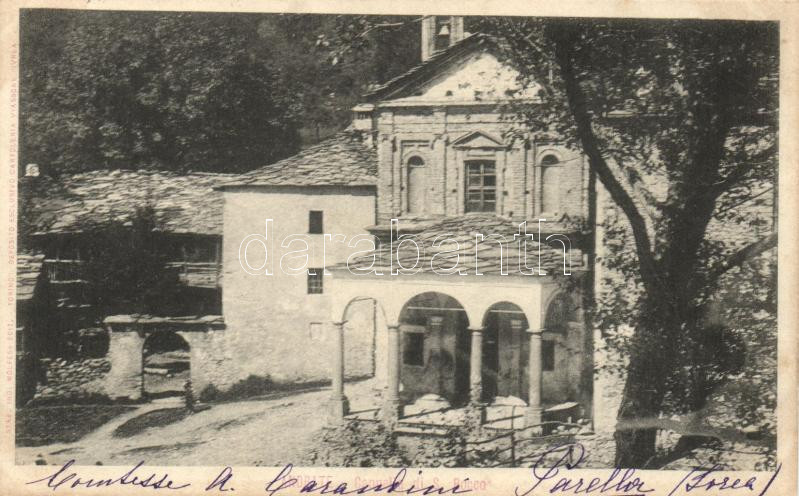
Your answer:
<point x="440" y="33"/>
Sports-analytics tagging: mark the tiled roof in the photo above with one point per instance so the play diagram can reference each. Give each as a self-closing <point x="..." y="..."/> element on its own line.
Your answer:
<point x="344" y="159"/>
<point x="431" y="65"/>
<point x="29" y="271"/>
<point x="440" y="236"/>
<point x="184" y="203"/>
<point x="417" y="223"/>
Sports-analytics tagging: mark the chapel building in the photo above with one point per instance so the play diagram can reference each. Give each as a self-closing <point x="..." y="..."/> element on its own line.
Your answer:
<point x="409" y="222"/>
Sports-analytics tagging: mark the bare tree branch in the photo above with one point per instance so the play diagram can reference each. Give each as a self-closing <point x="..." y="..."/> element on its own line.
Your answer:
<point x="741" y="202"/>
<point x="387" y="25"/>
<point x="746" y="253"/>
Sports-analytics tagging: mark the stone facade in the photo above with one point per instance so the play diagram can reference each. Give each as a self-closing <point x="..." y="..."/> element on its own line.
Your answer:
<point x="447" y="138"/>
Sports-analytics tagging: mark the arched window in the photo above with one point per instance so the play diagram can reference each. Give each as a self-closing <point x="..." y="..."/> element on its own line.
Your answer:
<point x="416" y="184"/>
<point x="416" y="161"/>
<point x="550" y="184"/>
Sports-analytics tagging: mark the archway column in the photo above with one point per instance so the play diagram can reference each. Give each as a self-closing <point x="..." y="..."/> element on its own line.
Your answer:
<point x="534" y="409"/>
<point x="476" y="376"/>
<point x="392" y="406"/>
<point x="476" y="365"/>
<point x="339" y="405"/>
<point x="516" y="336"/>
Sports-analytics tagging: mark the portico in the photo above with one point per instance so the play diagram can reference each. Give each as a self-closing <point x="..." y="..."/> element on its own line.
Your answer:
<point x="436" y="334"/>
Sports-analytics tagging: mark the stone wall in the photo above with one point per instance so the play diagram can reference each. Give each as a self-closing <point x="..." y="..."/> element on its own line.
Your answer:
<point x="124" y="380"/>
<point x="211" y="359"/>
<point x="72" y="379"/>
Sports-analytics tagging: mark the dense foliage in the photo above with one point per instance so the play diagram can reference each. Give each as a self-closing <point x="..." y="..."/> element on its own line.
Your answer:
<point x="179" y="91"/>
<point x="127" y="270"/>
<point x="678" y="122"/>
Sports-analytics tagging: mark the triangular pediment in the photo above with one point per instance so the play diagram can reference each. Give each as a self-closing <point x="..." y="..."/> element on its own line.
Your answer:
<point x="478" y="139"/>
<point x="468" y="72"/>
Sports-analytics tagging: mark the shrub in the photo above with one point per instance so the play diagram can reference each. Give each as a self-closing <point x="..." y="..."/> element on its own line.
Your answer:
<point x="253" y="385"/>
<point x="358" y="444"/>
<point x="209" y="393"/>
<point x="448" y="451"/>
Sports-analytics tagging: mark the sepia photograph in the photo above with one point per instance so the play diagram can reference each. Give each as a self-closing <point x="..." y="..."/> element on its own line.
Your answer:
<point x="297" y="239"/>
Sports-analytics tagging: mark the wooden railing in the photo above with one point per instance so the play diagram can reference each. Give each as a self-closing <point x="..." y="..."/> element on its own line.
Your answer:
<point x="195" y="274"/>
<point x="198" y="274"/>
<point x="64" y="270"/>
<point x="514" y="449"/>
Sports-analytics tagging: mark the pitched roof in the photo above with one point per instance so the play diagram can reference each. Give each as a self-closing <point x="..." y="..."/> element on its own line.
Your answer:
<point x="29" y="271"/>
<point x="419" y="223"/>
<point x="184" y="203"/>
<point x="431" y="66"/>
<point x="344" y="159"/>
<point x="454" y="240"/>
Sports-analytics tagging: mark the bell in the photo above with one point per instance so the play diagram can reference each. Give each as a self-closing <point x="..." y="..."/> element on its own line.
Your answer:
<point x="444" y="30"/>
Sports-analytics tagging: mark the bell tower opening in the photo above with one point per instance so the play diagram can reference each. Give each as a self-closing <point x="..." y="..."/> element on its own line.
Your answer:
<point x="440" y="33"/>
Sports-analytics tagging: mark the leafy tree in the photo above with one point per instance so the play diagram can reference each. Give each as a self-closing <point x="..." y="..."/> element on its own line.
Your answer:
<point x="162" y="90"/>
<point x="215" y="92"/>
<point x="678" y="122"/>
<point x="327" y="80"/>
<point x="127" y="269"/>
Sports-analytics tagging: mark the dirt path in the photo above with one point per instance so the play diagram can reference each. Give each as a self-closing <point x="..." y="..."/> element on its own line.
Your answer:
<point x="269" y="432"/>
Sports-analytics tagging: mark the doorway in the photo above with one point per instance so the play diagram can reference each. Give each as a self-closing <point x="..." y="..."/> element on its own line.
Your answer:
<point x="166" y="365"/>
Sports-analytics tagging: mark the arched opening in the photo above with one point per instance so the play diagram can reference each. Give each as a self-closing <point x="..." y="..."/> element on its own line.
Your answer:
<point x="560" y="351"/>
<point x="434" y="348"/>
<point x="550" y="184"/>
<point x="505" y="352"/>
<point x="365" y="334"/>
<point x="416" y="185"/>
<point x="166" y="364"/>
<point x="560" y="312"/>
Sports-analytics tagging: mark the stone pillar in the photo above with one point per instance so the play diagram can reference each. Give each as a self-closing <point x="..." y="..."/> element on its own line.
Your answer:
<point x="516" y="336"/>
<point x="435" y="336"/>
<point x="534" y="411"/>
<point x="381" y="354"/>
<point x="476" y="366"/>
<point x="478" y="413"/>
<point x="339" y="405"/>
<point x="211" y="362"/>
<point x="392" y="408"/>
<point x="124" y="380"/>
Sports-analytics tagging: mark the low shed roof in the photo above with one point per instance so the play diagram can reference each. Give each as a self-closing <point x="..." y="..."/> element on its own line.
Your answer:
<point x="29" y="272"/>
<point x="184" y="203"/>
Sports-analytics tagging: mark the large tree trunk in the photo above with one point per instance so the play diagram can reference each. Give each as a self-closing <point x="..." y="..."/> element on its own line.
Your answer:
<point x="635" y="439"/>
<point x="652" y="353"/>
